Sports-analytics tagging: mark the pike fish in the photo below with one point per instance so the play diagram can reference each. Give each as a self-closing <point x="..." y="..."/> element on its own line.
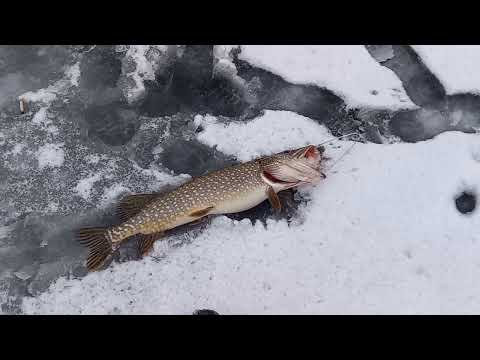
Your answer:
<point x="230" y="190"/>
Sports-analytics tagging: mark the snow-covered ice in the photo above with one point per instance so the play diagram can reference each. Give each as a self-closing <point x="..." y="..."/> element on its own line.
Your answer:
<point x="347" y="70"/>
<point x="112" y="193"/>
<point x="49" y="94"/>
<point x="84" y="186"/>
<point x="380" y="235"/>
<point x="139" y="66"/>
<point x="274" y="132"/>
<point x="73" y="74"/>
<point x="40" y="116"/>
<point x="456" y="66"/>
<point x="42" y="95"/>
<point x="50" y="155"/>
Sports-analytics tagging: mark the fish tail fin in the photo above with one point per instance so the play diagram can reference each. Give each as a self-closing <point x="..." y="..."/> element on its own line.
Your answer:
<point x="98" y="243"/>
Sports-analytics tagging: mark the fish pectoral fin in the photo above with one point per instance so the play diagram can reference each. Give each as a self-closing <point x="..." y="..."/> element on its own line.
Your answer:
<point x="131" y="205"/>
<point x="201" y="212"/>
<point x="145" y="244"/>
<point x="274" y="199"/>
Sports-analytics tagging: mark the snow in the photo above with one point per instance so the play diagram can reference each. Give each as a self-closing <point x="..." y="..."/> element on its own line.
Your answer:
<point x="347" y="70"/>
<point x="3" y="299"/>
<point x="18" y="148"/>
<point x="85" y="185"/>
<point x="456" y="66"/>
<point x="42" y="120"/>
<point x="42" y="95"/>
<point x="224" y="60"/>
<point x="224" y="51"/>
<point x="274" y="132"/>
<point x="60" y="87"/>
<point x="73" y="74"/>
<point x="143" y="68"/>
<point x="381" y="234"/>
<point x="112" y="193"/>
<point x="93" y="158"/>
<point x="50" y="155"/>
<point x="40" y="116"/>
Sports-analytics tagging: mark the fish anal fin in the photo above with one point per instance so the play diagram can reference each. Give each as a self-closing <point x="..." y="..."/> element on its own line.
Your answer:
<point x="274" y="199"/>
<point x="131" y="205"/>
<point x="145" y="244"/>
<point x="201" y="212"/>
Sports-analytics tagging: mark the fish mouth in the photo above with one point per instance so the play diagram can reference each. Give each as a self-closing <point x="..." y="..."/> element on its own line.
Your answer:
<point x="301" y="166"/>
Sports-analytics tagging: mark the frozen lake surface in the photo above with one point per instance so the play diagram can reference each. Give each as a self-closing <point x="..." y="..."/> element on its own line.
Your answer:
<point x="392" y="229"/>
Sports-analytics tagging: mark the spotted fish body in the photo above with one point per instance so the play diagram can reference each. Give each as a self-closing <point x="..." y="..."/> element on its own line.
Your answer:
<point x="230" y="190"/>
<point x="233" y="189"/>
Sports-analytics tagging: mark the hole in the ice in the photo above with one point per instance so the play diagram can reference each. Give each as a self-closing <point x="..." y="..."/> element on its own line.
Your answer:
<point x="466" y="202"/>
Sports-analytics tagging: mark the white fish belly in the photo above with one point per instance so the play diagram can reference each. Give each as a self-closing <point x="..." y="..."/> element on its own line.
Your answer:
<point x="180" y="221"/>
<point x="243" y="202"/>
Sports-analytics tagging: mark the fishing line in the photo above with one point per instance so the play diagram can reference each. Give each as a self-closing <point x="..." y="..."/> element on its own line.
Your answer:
<point x="341" y="157"/>
<point x="338" y="138"/>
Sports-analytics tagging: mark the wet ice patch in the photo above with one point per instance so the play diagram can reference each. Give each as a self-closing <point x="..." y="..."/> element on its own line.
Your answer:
<point x="456" y="66"/>
<point x="50" y="155"/>
<point x="347" y="70"/>
<point x="273" y="132"/>
<point x="5" y="231"/>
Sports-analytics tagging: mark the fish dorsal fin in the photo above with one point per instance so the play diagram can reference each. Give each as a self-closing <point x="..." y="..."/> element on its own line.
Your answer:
<point x="274" y="199"/>
<point x="145" y="244"/>
<point x="131" y="205"/>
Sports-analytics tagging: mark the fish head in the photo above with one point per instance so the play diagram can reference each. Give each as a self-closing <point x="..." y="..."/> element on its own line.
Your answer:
<point x="293" y="168"/>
